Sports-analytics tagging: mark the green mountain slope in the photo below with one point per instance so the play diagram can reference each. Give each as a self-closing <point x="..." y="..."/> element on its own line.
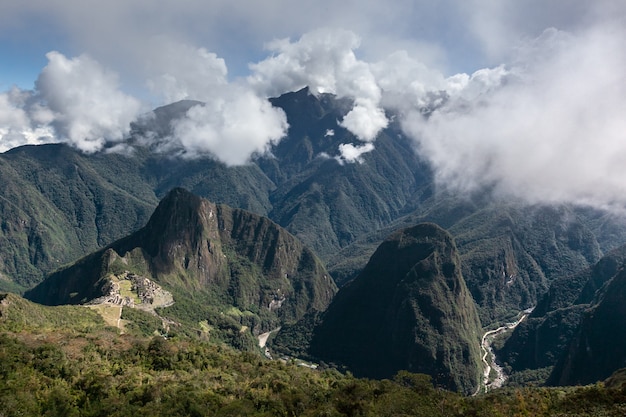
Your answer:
<point x="20" y="315"/>
<point x="598" y="347"/>
<point x="509" y="252"/>
<point x="327" y="204"/>
<point x="228" y="266"/>
<point x="543" y="339"/>
<point x="57" y="205"/>
<point x="408" y="309"/>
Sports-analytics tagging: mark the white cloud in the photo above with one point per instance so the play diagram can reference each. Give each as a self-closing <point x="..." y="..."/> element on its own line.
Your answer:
<point x="498" y="27"/>
<point x="552" y="129"/>
<point x="325" y="61"/>
<point x="351" y="153"/>
<point x="405" y="80"/>
<point x="409" y="85"/>
<point x="87" y="108"/>
<point x="180" y="71"/>
<point x="13" y="121"/>
<point x="233" y="123"/>
<point x="21" y="125"/>
<point x="365" y="120"/>
<point x="231" y="127"/>
<point x="79" y="102"/>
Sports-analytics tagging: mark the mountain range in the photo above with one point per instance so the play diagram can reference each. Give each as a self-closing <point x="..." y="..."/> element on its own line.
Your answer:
<point x="231" y="268"/>
<point x="244" y="250"/>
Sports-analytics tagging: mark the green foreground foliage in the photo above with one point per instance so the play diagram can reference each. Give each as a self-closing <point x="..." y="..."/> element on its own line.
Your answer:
<point x="102" y="373"/>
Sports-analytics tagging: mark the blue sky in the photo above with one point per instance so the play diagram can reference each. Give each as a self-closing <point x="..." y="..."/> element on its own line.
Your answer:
<point x="453" y="35"/>
<point x="529" y="95"/>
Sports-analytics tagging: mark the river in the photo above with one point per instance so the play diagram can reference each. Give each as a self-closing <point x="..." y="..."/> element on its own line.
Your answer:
<point x="485" y="344"/>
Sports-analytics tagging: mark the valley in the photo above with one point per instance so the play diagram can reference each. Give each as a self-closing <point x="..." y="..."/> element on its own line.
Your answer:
<point x="370" y="268"/>
<point x="489" y="359"/>
<point x="263" y="342"/>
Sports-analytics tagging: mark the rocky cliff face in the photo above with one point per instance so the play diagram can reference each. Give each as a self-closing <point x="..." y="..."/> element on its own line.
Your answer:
<point x="408" y="309"/>
<point x="240" y="259"/>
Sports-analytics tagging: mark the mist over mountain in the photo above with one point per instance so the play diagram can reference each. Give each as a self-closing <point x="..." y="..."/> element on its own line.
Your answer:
<point x="60" y="205"/>
<point x="512" y="125"/>
<point x="299" y="185"/>
<point x="510" y="252"/>
<point x="341" y="210"/>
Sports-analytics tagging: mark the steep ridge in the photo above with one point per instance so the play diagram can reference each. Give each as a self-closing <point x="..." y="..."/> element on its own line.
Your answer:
<point x="541" y="340"/>
<point x="510" y="252"/>
<point x="242" y="264"/>
<point x="328" y="204"/>
<point x="55" y="207"/>
<point x="598" y="347"/>
<point x="408" y="309"/>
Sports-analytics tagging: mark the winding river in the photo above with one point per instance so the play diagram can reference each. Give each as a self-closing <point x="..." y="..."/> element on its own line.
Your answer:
<point x="485" y="344"/>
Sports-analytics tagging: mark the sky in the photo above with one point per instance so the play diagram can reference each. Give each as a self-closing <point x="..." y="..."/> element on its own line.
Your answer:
<point x="526" y="97"/>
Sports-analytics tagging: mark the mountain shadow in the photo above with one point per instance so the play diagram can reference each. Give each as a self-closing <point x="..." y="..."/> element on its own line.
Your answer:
<point x="544" y="339"/>
<point x="409" y="309"/>
<point x="598" y="347"/>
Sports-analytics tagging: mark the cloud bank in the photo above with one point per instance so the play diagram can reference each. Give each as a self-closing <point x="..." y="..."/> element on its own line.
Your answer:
<point x="232" y="123"/>
<point x="232" y="128"/>
<point x="489" y="93"/>
<point x="553" y="129"/>
<point x="84" y="102"/>
<point x="78" y="102"/>
<point x="75" y="101"/>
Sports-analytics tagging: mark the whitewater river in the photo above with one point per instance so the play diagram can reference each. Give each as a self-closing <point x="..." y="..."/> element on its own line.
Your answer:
<point x="489" y="364"/>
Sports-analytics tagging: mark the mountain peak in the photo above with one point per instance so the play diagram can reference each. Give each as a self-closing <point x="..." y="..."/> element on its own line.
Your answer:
<point x="411" y="300"/>
<point x="178" y="198"/>
<point x="242" y="261"/>
<point x="423" y="233"/>
<point x="180" y="220"/>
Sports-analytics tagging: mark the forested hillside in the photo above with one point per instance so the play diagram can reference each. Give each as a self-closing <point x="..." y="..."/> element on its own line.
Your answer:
<point x="51" y="364"/>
